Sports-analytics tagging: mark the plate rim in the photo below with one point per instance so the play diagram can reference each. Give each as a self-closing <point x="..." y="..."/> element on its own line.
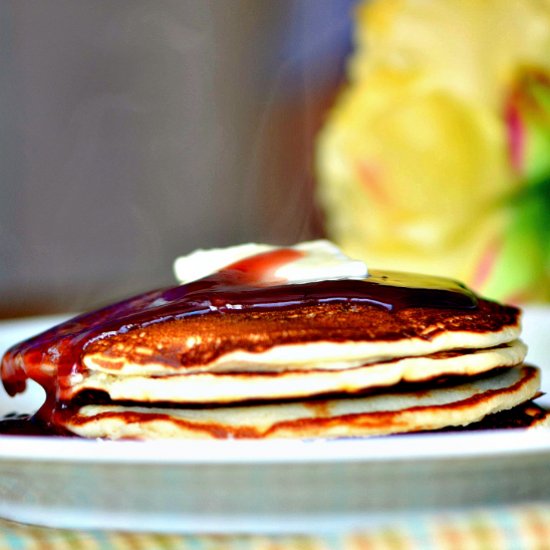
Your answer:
<point x="406" y="447"/>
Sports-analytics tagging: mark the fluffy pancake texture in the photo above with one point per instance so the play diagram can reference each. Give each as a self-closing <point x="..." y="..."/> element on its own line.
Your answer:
<point x="231" y="387"/>
<point x="385" y="413"/>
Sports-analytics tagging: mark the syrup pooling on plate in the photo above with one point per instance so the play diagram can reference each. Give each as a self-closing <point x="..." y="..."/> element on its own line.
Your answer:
<point x="53" y="357"/>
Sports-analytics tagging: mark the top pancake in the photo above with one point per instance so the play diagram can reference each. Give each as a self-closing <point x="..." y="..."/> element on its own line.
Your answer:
<point x="324" y="336"/>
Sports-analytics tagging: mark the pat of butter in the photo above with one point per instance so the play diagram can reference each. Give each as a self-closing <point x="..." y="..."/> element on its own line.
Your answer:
<point x="322" y="260"/>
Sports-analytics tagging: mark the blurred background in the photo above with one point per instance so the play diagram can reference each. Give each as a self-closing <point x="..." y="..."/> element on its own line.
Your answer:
<point x="414" y="133"/>
<point x="135" y="131"/>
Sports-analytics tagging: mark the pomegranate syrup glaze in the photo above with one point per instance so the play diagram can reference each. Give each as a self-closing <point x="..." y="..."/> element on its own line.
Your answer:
<point x="52" y="357"/>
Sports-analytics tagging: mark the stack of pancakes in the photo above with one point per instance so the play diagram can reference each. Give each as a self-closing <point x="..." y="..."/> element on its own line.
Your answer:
<point x="331" y="367"/>
<point x="331" y="370"/>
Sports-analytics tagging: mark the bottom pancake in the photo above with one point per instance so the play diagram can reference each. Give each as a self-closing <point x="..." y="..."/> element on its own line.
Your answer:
<point x="528" y="415"/>
<point x="391" y="412"/>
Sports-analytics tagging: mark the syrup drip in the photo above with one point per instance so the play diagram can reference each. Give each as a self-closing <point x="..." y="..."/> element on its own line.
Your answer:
<point x="52" y="357"/>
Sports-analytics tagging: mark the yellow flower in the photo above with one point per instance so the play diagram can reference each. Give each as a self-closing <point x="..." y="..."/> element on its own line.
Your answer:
<point x="415" y="163"/>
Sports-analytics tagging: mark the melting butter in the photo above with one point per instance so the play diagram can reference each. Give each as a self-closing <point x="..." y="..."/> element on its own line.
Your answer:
<point x="320" y="260"/>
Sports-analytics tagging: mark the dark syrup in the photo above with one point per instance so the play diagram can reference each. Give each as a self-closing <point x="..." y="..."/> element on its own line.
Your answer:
<point x="245" y="285"/>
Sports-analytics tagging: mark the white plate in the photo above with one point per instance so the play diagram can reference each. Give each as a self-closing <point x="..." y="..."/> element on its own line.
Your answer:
<point x="266" y="486"/>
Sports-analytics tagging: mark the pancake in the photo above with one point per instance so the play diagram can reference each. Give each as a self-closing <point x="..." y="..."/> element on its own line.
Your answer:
<point x="297" y="352"/>
<point x="233" y="387"/>
<point x="528" y="416"/>
<point x="322" y="336"/>
<point x="245" y="352"/>
<point x="386" y="413"/>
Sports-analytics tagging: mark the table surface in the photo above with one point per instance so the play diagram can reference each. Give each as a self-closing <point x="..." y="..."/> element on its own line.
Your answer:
<point x="527" y="526"/>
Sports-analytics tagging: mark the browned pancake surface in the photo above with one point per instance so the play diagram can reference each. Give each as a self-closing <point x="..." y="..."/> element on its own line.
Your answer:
<point x="526" y="415"/>
<point x="202" y="339"/>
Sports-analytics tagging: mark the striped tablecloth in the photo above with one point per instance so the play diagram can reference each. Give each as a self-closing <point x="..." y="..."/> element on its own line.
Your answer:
<point x="506" y="528"/>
